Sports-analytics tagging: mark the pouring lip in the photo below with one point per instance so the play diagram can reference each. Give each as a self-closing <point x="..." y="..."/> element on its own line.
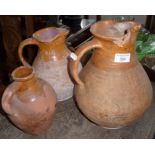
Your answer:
<point x="135" y="26"/>
<point x="22" y="73"/>
<point x="55" y="33"/>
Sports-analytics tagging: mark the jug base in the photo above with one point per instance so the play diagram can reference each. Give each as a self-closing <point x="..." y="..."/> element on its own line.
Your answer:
<point x="64" y="99"/>
<point x="115" y="128"/>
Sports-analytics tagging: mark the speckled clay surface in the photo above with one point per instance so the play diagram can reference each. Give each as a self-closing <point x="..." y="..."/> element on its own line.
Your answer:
<point x="56" y="74"/>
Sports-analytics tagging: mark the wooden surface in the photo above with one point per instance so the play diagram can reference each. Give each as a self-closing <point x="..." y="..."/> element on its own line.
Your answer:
<point x="70" y="123"/>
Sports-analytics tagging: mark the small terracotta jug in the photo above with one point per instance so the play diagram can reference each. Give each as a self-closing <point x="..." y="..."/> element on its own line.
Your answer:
<point x="113" y="89"/>
<point x="51" y="61"/>
<point x="29" y="102"/>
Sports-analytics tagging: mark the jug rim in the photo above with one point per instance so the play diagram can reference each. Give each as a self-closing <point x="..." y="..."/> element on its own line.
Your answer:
<point x="54" y="33"/>
<point x="132" y="26"/>
<point x="22" y="73"/>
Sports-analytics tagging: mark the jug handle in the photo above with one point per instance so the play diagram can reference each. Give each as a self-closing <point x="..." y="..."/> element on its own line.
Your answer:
<point x="29" y="41"/>
<point x="74" y="62"/>
<point x="7" y="95"/>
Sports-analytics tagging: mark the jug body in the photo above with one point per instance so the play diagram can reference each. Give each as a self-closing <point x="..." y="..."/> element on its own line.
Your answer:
<point x="29" y="102"/>
<point x="51" y="62"/>
<point x="112" y="90"/>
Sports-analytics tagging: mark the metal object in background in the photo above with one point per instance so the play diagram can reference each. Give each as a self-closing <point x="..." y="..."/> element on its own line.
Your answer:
<point x="150" y="23"/>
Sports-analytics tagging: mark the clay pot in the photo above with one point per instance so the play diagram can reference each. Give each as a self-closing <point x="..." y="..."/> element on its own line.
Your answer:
<point x="29" y="102"/>
<point x="51" y="62"/>
<point x="113" y="89"/>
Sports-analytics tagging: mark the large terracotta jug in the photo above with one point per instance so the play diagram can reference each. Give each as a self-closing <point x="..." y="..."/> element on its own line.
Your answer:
<point x="29" y="102"/>
<point x="51" y="61"/>
<point x="113" y="89"/>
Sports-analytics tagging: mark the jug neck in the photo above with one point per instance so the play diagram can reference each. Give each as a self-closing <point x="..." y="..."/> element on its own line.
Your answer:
<point x="111" y="56"/>
<point x="26" y="79"/>
<point x="55" y="50"/>
<point x="52" y="43"/>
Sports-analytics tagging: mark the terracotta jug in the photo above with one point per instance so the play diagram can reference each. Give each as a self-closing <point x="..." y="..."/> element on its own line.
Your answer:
<point x="113" y="89"/>
<point x="50" y="63"/>
<point x="29" y="102"/>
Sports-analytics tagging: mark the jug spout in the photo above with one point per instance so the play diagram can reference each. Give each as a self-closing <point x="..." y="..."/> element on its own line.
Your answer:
<point x="136" y="27"/>
<point x="120" y="33"/>
<point x="47" y="35"/>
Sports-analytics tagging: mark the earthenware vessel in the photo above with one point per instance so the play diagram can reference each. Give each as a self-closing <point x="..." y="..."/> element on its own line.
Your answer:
<point x="112" y="90"/>
<point x="29" y="102"/>
<point x="51" y="61"/>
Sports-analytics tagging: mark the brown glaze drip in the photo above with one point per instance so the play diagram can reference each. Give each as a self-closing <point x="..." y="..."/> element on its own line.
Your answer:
<point x="56" y="50"/>
<point x="104" y="57"/>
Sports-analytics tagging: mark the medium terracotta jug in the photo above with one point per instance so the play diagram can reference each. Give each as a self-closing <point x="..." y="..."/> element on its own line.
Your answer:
<point x="29" y="102"/>
<point x="113" y="89"/>
<point x="50" y="63"/>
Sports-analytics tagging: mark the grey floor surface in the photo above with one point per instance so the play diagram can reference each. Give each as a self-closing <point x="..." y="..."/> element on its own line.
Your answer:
<point x="69" y="123"/>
